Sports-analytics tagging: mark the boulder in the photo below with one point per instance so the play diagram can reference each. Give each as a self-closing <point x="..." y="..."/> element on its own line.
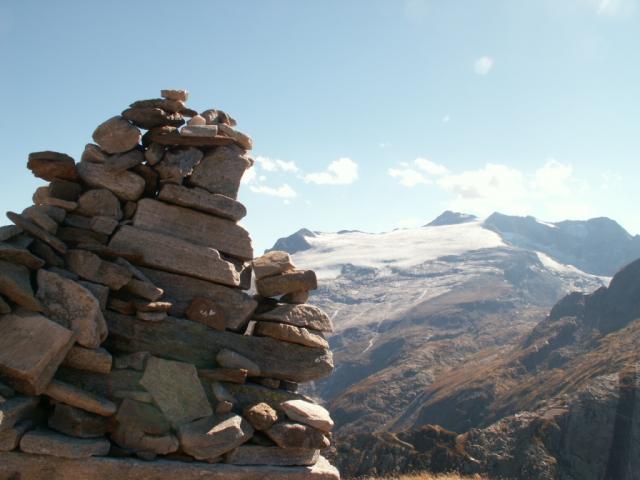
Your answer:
<point x="221" y="170"/>
<point x="15" y="284"/>
<point x="124" y="161"/>
<point x="196" y="227"/>
<point x="124" y="185"/>
<point x="175" y="255"/>
<point x="99" y="202"/>
<point x="72" y="305"/>
<point x="203" y="201"/>
<point x="31" y="349"/>
<point x="307" y="316"/>
<point x="46" y="442"/>
<point x="308" y="413"/>
<point x="176" y="390"/>
<point x="50" y="165"/>
<point x="116" y="135"/>
<point x="76" y="422"/>
<point x="292" y="334"/>
<point x="176" y="164"/>
<point x="211" y="437"/>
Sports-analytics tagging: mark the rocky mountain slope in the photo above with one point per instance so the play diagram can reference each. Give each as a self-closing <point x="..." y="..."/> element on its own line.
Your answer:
<point x="411" y="305"/>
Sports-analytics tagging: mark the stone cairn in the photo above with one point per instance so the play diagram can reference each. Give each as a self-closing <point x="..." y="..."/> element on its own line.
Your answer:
<point x="126" y="331"/>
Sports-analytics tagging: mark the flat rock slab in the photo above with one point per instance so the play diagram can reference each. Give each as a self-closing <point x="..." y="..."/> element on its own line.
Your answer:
<point x="15" y="284"/>
<point x="181" y="291"/>
<point x="16" y="409"/>
<point x="19" y="255"/>
<point x="99" y="202"/>
<point x="71" y="304"/>
<point x="37" y="231"/>
<point x="176" y="389"/>
<point x="42" y="467"/>
<point x="31" y="349"/>
<point x="91" y="267"/>
<point x="124" y="185"/>
<point x="76" y="422"/>
<point x="209" y="438"/>
<point x="96" y="360"/>
<point x="198" y="344"/>
<point x="292" y="334"/>
<point x="308" y="316"/>
<point x="258" y="455"/>
<point x="200" y="199"/>
<point x="76" y="397"/>
<point x="287" y="282"/>
<point x="174" y="138"/>
<point x="175" y="255"/>
<point x="46" y="442"/>
<point x="196" y="227"/>
<point x="308" y="413"/>
<point x="297" y="435"/>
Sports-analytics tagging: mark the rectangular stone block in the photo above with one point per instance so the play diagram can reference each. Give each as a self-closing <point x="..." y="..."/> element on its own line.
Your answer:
<point x="200" y="228"/>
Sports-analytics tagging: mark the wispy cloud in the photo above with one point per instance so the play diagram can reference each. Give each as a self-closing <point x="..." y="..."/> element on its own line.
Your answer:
<point x="483" y="65"/>
<point x="343" y="171"/>
<point x="284" y="191"/>
<point x="275" y="165"/>
<point x="417" y="173"/>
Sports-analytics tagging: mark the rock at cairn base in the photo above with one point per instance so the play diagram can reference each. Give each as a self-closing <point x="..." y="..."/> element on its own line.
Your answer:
<point x="127" y="328"/>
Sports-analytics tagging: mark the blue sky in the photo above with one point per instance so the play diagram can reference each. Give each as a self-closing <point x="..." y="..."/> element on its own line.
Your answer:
<point x="365" y="115"/>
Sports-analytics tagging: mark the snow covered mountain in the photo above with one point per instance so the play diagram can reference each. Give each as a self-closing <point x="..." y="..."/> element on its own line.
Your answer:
<point x="410" y="304"/>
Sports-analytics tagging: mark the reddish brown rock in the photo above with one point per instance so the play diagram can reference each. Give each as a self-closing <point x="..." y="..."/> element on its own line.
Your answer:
<point x="308" y="413"/>
<point x="261" y="455"/>
<point x="200" y="199"/>
<point x="46" y="442"/>
<point x="15" y="284"/>
<point x="182" y="95"/>
<point x="168" y="105"/>
<point x="272" y="263"/>
<point x="75" y="397"/>
<point x="38" y="232"/>
<point x="297" y="435"/>
<point x="307" y="316"/>
<point x="287" y="282"/>
<point x="151" y="117"/>
<point x="50" y="165"/>
<point x="208" y="438"/>
<point x="91" y="267"/>
<point x="76" y="422"/>
<point x="261" y="416"/>
<point x="207" y="312"/>
<point x="291" y="334"/>
<point x="96" y="360"/>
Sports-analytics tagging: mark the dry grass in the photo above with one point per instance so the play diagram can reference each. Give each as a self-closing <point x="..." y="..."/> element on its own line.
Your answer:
<point x="429" y="476"/>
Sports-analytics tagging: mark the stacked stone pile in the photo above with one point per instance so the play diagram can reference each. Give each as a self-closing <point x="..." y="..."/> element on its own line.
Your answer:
<point x="128" y="331"/>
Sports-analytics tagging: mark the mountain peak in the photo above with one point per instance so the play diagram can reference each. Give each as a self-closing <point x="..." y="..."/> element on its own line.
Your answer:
<point x="294" y="243"/>
<point x="449" y="217"/>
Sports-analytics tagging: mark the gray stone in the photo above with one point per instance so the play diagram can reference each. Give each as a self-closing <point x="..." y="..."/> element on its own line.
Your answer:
<point x="15" y="410"/>
<point x="233" y="375"/>
<point x="308" y="413"/>
<point x="151" y="316"/>
<point x="133" y="439"/>
<point x="73" y="306"/>
<point x="44" y="251"/>
<point x="176" y="164"/>
<point x="154" y="153"/>
<point x="7" y="232"/>
<point x="199" y="131"/>
<point x="124" y="161"/>
<point x="4" y="306"/>
<point x="201" y="200"/>
<point x="37" y="232"/>
<point x="259" y="455"/>
<point x="207" y="312"/>
<point x="143" y="417"/>
<point x="31" y="349"/>
<point x="76" y="422"/>
<point x="295" y="298"/>
<point x="124" y="185"/>
<point x="105" y="225"/>
<point x="64" y="189"/>
<point x="93" y="153"/>
<point x="307" y="316"/>
<point x="99" y="202"/>
<point x="151" y="117"/>
<point x="38" y="216"/>
<point x="198" y="228"/>
<point x="10" y="438"/>
<point x="230" y="359"/>
<point x="101" y="292"/>
<point x="208" y="438"/>
<point x="169" y="105"/>
<point x="45" y="442"/>
<point x="176" y="390"/>
<point x="221" y="170"/>
<point x="135" y="361"/>
<point x="116" y="135"/>
<point x="240" y="138"/>
<point x="220" y="393"/>
<point x="143" y="289"/>
<point x="175" y="255"/>
<point x="91" y="267"/>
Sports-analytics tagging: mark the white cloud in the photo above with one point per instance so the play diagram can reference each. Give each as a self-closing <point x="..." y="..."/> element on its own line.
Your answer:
<point x="408" y="177"/>
<point x="483" y="65"/>
<point x="284" y="191"/>
<point x="343" y="171"/>
<point x="432" y="168"/>
<point x="275" y="165"/>
<point x="249" y="176"/>
<point x="493" y="182"/>
<point x="553" y="178"/>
